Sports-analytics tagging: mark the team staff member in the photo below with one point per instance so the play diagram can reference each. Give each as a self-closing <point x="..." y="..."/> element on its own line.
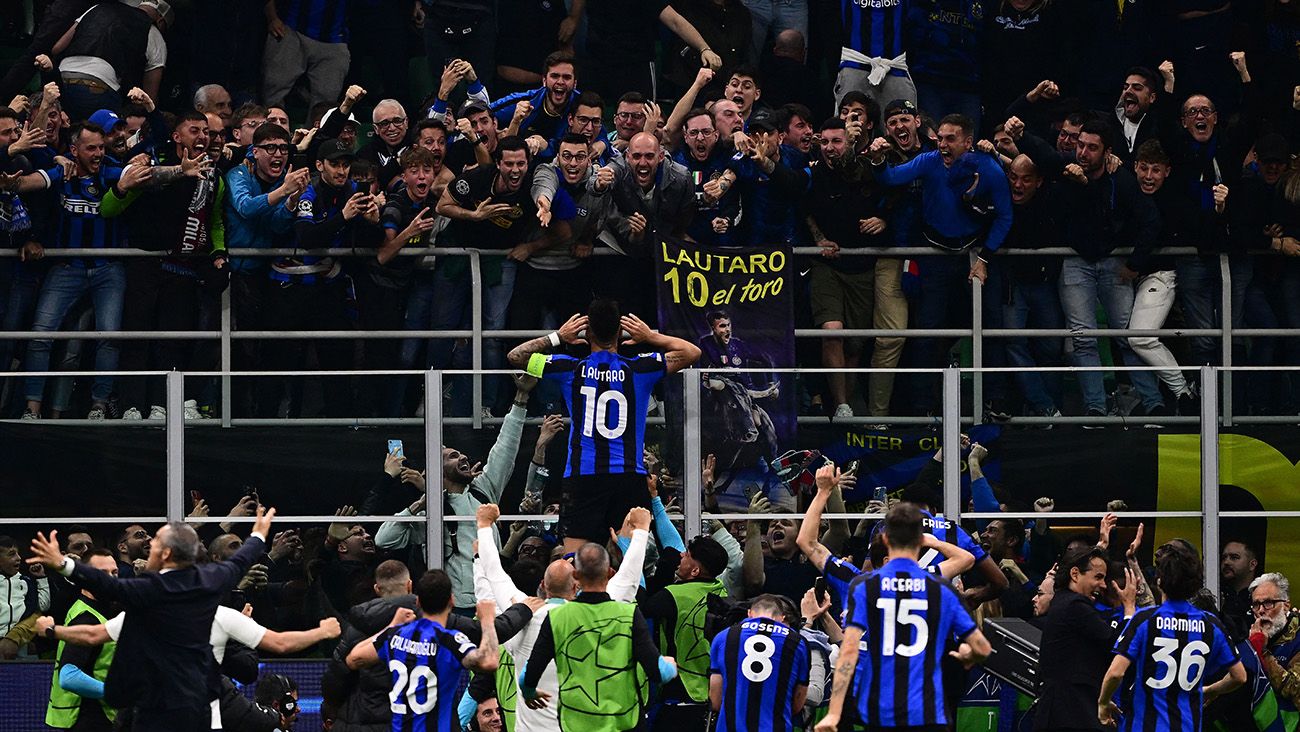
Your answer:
<point x="910" y="621"/>
<point x="77" y="689"/>
<point x="163" y="666"/>
<point x="426" y="659"/>
<point x="610" y="694"/>
<point x="606" y="394"/>
<point x="759" y="668"/>
<point x="1174" y="647"/>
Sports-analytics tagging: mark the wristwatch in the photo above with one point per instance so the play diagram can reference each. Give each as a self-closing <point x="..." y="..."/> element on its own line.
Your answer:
<point x="49" y="632"/>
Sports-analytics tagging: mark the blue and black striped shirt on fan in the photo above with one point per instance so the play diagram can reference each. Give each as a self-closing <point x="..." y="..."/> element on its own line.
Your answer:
<point x="78" y="224"/>
<point x="607" y="395"/>
<point x="761" y="662"/>
<point x="320" y="20"/>
<point x="873" y="28"/>
<point x="909" y="622"/>
<point x="425" y="661"/>
<point x="1174" y="648"/>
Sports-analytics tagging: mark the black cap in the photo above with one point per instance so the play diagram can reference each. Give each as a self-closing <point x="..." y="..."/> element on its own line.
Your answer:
<point x="760" y="124"/>
<point x="472" y="106"/>
<point x="900" y="106"/>
<point x="334" y="150"/>
<point x="1272" y="148"/>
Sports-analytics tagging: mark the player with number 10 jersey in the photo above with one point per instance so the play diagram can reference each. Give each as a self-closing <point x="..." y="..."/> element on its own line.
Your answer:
<point x="607" y="395"/>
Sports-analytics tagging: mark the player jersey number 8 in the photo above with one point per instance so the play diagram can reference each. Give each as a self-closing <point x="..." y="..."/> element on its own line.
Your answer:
<point x="1188" y="667"/>
<point x="595" y="413"/>
<point x="406" y="683"/>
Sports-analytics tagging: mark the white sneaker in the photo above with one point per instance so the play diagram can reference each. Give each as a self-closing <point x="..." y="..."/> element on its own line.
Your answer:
<point x="132" y="414"/>
<point x="30" y="416"/>
<point x="843" y="411"/>
<point x="486" y="413"/>
<point x="192" y="410"/>
<point x="157" y="412"/>
<point x="96" y="413"/>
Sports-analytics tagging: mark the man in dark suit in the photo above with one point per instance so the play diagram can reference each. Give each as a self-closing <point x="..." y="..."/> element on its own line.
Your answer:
<point x="164" y="667"/>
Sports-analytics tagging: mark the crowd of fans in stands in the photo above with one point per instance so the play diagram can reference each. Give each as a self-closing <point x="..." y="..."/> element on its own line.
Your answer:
<point x="981" y="139"/>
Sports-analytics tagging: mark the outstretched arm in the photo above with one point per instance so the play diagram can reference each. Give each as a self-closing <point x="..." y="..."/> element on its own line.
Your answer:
<point x="77" y="635"/>
<point x="807" y="540"/>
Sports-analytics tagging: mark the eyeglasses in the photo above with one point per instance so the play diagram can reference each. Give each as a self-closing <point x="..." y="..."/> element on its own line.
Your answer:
<point x="574" y="157"/>
<point x="1265" y="605"/>
<point x="1195" y="112"/>
<point x="587" y="121"/>
<point x="629" y="115"/>
<point x="393" y="122"/>
<point x="699" y="133"/>
<point x="141" y="534"/>
<point x="275" y="149"/>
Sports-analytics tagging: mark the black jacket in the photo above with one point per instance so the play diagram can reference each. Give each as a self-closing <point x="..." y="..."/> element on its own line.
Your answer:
<point x="362" y="696"/>
<point x="164" y="659"/>
<point x="241" y="714"/>
<point x="1072" y="660"/>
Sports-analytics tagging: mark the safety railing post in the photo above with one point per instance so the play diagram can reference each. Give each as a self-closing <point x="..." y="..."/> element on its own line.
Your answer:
<point x="433" y="529"/>
<point x="692" y="501"/>
<point x="175" y="427"/>
<point x="476" y="293"/>
<point x="977" y="345"/>
<point x="1225" y="340"/>
<point x="1210" y="474"/>
<point x="952" y="443"/>
<point x="227" y="398"/>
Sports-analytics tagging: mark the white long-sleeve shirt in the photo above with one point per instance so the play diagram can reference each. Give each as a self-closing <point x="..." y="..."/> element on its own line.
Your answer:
<point x="491" y="580"/>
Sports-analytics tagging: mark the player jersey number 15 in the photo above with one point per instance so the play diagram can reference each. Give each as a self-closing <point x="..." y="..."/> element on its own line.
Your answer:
<point x="904" y="612"/>
<point x="595" y="413"/>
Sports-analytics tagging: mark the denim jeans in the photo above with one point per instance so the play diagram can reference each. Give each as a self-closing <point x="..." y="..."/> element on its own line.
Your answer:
<point x="64" y="285"/>
<point x="1198" y="296"/>
<point x="770" y="17"/>
<point x="80" y="101"/>
<point x="1083" y="285"/>
<point x="1035" y="305"/>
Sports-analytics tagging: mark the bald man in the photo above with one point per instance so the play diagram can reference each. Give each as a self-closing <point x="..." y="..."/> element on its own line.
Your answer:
<point x="559" y="585"/>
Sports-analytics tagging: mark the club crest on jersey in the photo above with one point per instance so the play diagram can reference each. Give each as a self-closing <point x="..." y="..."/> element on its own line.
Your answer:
<point x="462" y="187"/>
<point x="92" y="190"/>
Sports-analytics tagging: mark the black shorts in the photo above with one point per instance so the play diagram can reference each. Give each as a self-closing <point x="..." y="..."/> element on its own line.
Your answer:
<point x="593" y="504"/>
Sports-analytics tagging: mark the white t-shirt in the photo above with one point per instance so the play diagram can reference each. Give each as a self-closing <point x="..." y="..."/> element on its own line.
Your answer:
<point x="155" y="57"/>
<point x="229" y="624"/>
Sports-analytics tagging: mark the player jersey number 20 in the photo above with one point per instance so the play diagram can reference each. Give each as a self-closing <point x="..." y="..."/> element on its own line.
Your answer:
<point x="897" y="615"/>
<point x="406" y="685"/>
<point x="595" y="413"/>
<point x="1186" y="667"/>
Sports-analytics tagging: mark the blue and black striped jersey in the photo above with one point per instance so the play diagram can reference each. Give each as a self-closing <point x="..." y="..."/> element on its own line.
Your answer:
<point x="425" y="661"/>
<point x="78" y="224"/>
<point x="761" y="662"/>
<point x="873" y="28"/>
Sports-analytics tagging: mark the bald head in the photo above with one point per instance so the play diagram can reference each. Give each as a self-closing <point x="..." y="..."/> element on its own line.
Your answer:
<point x="591" y="565"/>
<point x="789" y="44"/>
<point x="1024" y="180"/>
<point x="559" y="582"/>
<point x="643" y="156"/>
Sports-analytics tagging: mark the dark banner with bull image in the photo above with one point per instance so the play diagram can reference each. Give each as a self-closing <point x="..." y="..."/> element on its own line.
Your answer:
<point x="737" y="304"/>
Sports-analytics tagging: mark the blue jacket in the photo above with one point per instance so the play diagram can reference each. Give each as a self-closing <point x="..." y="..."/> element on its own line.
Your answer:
<point x="251" y="221"/>
<point x="943" y="204"/>
<point x="770" y="202"/>
<point x="504" y="110"/>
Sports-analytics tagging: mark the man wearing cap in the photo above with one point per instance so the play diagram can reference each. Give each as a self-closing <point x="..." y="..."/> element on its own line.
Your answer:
<point x="873" y="51"/>
<point x="478" y="137"/>
<point x="114" y="135"/>
<point x="307" y="292"/>
<point x="111" y="47"/>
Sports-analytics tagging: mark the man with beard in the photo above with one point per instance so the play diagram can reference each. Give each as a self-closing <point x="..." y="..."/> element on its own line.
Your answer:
<point x="546" y="114"/>
<point x="347" y="564"/>
<point x="1237" y="567"/>
<point x="167" y="294"/>
<point x="490" y="208"/>
<point x="652" y="198"/>
<point x="114" y="135"/>
<point x="1034" y="295"/>
<point x="1134" y="114"/>
<point x="774" y="178"/>
<point x="967" y="208"/>
<point x="902" y="127"/>
<point x="263" y="193"/>
<point x="467" y="486"/>
<point x="77" y="689"/>
<point x="77" y="223"/>
<point x="571" y="194"/>
<point x="846" y="211"/>
<point x="391" y="140"/>
<point x="1274" y="638"/>
<point x="1099" y="211"/>
<point x="132" y="549"/>
<point x="716" y="199"/>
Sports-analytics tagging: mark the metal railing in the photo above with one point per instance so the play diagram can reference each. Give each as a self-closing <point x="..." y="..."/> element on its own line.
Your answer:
<point x="227" y="332"/>
<point x="691" y="435"/>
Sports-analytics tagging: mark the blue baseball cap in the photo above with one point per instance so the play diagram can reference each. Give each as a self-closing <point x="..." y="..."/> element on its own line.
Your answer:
<point x="106" y="119"/>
